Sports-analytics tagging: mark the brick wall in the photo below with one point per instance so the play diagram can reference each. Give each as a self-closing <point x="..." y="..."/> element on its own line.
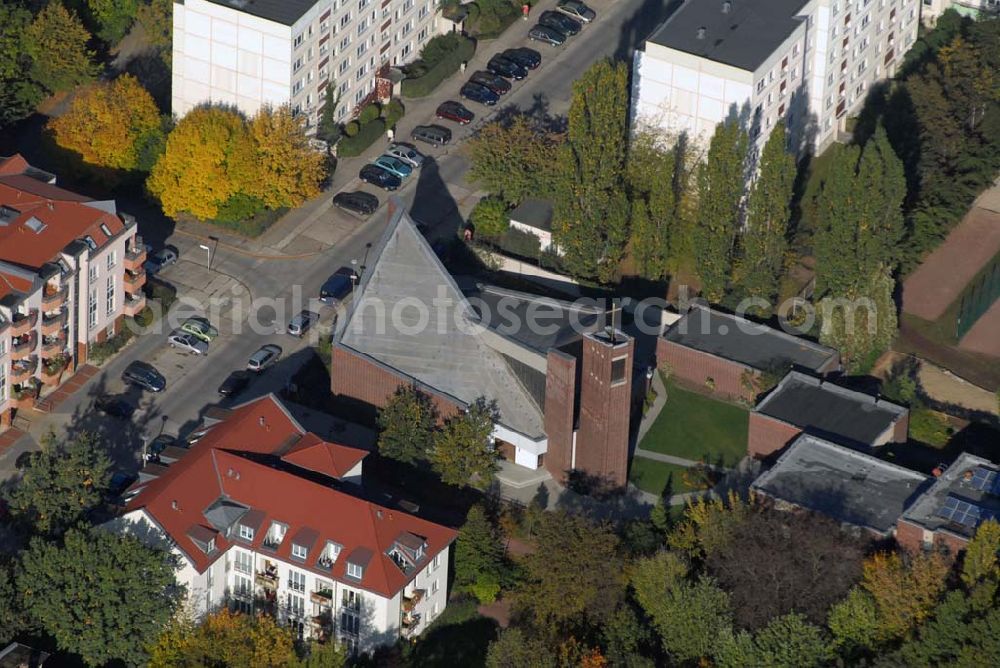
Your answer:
<point x="697" y="367"/>
<point x="911" y="538"/>
<point x="605" y="411"/>
<point x="766" y="435"/>
<point x="560" y="391"/>
<point x="900" y="431"/>
<point x="354" y="377"/>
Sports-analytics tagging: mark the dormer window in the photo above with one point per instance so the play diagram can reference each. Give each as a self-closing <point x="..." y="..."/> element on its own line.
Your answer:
<point x="210" y="546"/>
<point x="105" y="230"/>
<point x="246" y="533"/>
<point x="274" y="536"/>
<point x="299" y="551"/>
<point x="329" y="556"/>
<point x="355" y="571"/>
<point x="91" y="244"/>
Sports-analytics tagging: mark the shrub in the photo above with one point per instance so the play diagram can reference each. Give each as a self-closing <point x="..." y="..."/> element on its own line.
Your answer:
<point x="352" y="128"/>
<point x="239" y="207"/>
<point x="520" y="243"/>
<point x="448" y="65"/>
<point x="99" y="353"/>
<point x="368" y="134"/>
<point x="393" y="112"/>
<point x="489" y="217"/>
<point x="438" y="48"/>
<point x="930" y="427"/>
<point x="369" y="113"/>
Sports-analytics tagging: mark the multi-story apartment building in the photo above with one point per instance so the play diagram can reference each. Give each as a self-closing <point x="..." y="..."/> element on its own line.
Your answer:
<point x="249" y="53"/>
<point x="810" y="62"/>
<point x="70" y="271"/>
<point x="265" y="516"/>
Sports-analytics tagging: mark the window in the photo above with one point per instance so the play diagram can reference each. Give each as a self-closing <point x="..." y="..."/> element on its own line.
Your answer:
<point x="345" y="19"/>
<point x="3" y="381"/>
<point x="296" y="606"/>
<point x="362" y="26"/>
<point x="112" y="260"/>
<point x="324" y="26"/>
<point x="355" y="571"/>
<point x="361" y="72"/>
<point x="297" y="65"/>
<point x="296" y="580"/>
<point x="349" y="624"/>
<point x="297" y="42"/>
<point x="246" y="533"/>
<point x="422" y="35"/>
<point x="362" y="48"/>
<point x="242" y="587"/>
<point x="299" y="551"/>
<point x="343" y="89"/>
<point x="243" y="563"/>
<point x="92" y="309"/>
<point x="91" y="244"/>
<point x="3" y="347"/>
<point x="344" y="66"/>
<point x="323" y="48"/>
<point x="297" y="87"/>
<point x="93" y="273"/>
<point x="351" y="600"/>
<point x="760" y="85"/>
<point x="437" y="561"/>
<point x="434" y="587"/>
<point x="110" y="294"/>
<point x="344" y="43"/>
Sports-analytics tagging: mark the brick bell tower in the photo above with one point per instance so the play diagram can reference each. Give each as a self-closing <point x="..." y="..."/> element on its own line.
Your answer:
<point x="601" y="448"/>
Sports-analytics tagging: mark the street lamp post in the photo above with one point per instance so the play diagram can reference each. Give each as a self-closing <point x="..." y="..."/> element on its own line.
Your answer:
<point x="208" y="263"/>
<point x="354" y="274"/>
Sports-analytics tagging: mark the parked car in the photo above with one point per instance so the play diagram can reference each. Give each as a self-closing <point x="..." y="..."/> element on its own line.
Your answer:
<point x="301" y="322"/>
<point x="455" y="111"/>
<point x="235" y="383"/>
<point x="525" y="57"/>
<point x="480" y="94"/>
<point x="197" y="435"/>
<point x="164" y="257"/>
<point x="114" y="406"/>
<point x="187" y="342"/>
<point x="158" y="445"/>
<point x="561" y="22"/>
<point x="336" y="288"/>
<point x="145" y="376"/>
<point x="498" y="85"/>
<point x="200" y="328"/>
<point x="576" y="10"/>
<point x="540" y="33"/>
<point x="506" y="68"/>
<point x="406" y="153"/>
<point x="359" y="202"/>
<point x="379" y="177"/>
<point x="393" y="166"/>
<point x="431" y="134"/>
<point x="264" y="357"/>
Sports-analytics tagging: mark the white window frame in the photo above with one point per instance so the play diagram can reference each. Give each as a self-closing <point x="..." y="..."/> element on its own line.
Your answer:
<point x="246" y="533"/>
<point x="92" y="309"/>
<point x="300" y="551"/>
<point x="112" y="259"/>
<point x="110" y="295"/>
<point x="355" y="571"/>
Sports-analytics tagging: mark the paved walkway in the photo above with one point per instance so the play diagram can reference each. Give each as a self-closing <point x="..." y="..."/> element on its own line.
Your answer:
<point x="667" y="459"/>
<point x="649" y="417"/>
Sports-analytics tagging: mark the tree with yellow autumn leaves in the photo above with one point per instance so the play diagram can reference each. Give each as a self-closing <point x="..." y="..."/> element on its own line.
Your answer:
<point x="221" y="166"/>
<point x="114" y="124"/>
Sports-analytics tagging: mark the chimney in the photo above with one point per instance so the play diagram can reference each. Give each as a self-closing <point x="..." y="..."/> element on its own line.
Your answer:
<point x="727" y="7"/>
<point x="701" y="32"/>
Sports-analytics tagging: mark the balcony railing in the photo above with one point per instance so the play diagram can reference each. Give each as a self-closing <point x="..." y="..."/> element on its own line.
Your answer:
<point x="21" y="348"/>
<point x="22" y="370"/>
<point x="267" y="580"/>
<point x="134" y="280"/>
<point x="53" y="298"/>
<point x="134" y="304"/>
<point x="51" y="324"/>
<point x="53" y="345"/>
<point x="135" y="256"/>
<point x="410" y="601"/>
<point x="322" y="597"/>
<point x="23" y="323"/>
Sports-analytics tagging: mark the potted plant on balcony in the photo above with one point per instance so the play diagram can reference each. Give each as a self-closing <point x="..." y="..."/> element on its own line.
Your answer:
<point x="25" y="393"/>
<point x="53" y="367"/>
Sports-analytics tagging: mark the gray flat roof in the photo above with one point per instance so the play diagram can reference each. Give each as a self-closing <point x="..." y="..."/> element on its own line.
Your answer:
<point x="829" y="410"/>
<point x="533" y="212"/>
<point x="286" y="12"/>
<point x="448" y="351"/>
<point x="844" y="484"/>
<point x="960" y="482"/>
<point x="744" y="37"/>
<point x="746" y="342"/>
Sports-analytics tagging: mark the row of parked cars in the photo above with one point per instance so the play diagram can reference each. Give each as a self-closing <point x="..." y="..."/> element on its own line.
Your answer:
<point x="554" y="27"/>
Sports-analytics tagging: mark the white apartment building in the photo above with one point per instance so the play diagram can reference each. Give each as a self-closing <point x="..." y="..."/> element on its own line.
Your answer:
<point x="70" y="271"/>
<point x="810" y="62"/>
<point x="248" y="53"/>
<point x="266" y="517"/>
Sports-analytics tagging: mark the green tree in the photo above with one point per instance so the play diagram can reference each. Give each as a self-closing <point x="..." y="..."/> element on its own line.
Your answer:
<point x="862" y="327"/>
<point x="230" y="639"/>
<point x="790" y="641"/>
<point x="945" y="638"/>
<point x="113" y="17"/>
<point x="557" y="591"/>
<point x="981" y="565"/>
<point x="592" y="209"/>
<point x="854" y="623"/>
<point x="837" y="213"/>
<point x="156" y="19"/>
<point x="330" y="654"/>
<point x="463" y="451"/>
<point x="490" y="217"/>
<point x="98" y="594"/>
<point x="478" y="553"/>
<point x="406" y="425"/>
<point x="60" y="484"/>
<point x="690" y="617"/>
<point x="10" y="613"/>
<point x="514" y="161"/>
<point x="764" y="240"/>
<point x="721" y="183"/>
<point x="651" y="181"/>
<point x="57" y="44"/>
<point x="514" y="649"/>
<point x="627" y="638"/>
<point x="19" y="93"/>
<point x="328" y="129"/>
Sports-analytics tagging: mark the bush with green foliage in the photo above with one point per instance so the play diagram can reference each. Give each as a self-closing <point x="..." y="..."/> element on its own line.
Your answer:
<point x="369" y="113"/>
<point x="449" y="63"/>
<point x="493" y="18"/>
<point x="489" y="217"/>
<point x="393" y="112"/>
<point x="98" y="353"/>
<point x="367" y="135"/>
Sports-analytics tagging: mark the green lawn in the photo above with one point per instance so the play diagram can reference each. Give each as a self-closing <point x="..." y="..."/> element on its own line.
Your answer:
<point x="695" y="427"/>
<point x="654" y="477"/>
<point x="459" y="637"/>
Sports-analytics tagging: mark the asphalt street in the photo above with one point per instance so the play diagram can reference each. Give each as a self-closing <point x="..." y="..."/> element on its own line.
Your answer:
<point x="256" y="291"/>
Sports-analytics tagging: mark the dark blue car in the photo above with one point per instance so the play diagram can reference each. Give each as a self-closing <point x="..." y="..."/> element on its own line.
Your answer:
<point x="380" y="177"/>
<point x="480" y="94"/>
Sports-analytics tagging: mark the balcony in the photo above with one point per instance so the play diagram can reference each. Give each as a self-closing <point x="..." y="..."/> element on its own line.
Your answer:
<point x="134" y="304"/>
<point x="53" y="345"/>
<point x="410" y="623"/>
<point x="322" y="597"/>
<point x="53" y="367"/>
<point x="135" y="256"/>
<point x="324" y="621"/>
<point x="53" y="297"/>
<point x="53" y="324"/>
<point x="25" y="396"/>
<point x="22" y="370"/>
<point x="411" y="600"/>
<point x="22" y="323"/>
<point x="22" y="347"/>
<point x="267" y="579"/>
<point x="134" y="280"/>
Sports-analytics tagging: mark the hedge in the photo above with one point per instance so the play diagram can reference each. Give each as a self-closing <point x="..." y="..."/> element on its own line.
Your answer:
<point x="367" y="135"/>
<point x="425" y="85"/>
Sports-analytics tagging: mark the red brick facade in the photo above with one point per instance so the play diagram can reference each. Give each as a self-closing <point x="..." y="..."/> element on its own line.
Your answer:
<point x="901" y="431"/>
<point x="560" y="390"/>
<point x="765" y="435"/>
<point x="727" y="377"/>
<point x="605" y="410"/>
<point x="911" y="537"/>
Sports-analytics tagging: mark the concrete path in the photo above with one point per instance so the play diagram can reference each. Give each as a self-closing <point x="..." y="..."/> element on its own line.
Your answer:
<point x="667" y="459"/>
<point x="653" y="411"/>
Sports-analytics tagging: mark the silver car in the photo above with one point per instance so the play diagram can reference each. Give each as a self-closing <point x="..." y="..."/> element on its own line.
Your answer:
<point x="263" y="358"/>
<point x="187" y="343"/>
<point x="407" y="154"/>
<point x="577" y="10"/>
<point x="301" y="322"/>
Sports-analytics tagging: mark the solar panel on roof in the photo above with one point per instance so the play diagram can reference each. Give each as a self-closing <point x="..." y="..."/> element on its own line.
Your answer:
<point x="984" y="479"/>
<point x="964" y="513"/>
